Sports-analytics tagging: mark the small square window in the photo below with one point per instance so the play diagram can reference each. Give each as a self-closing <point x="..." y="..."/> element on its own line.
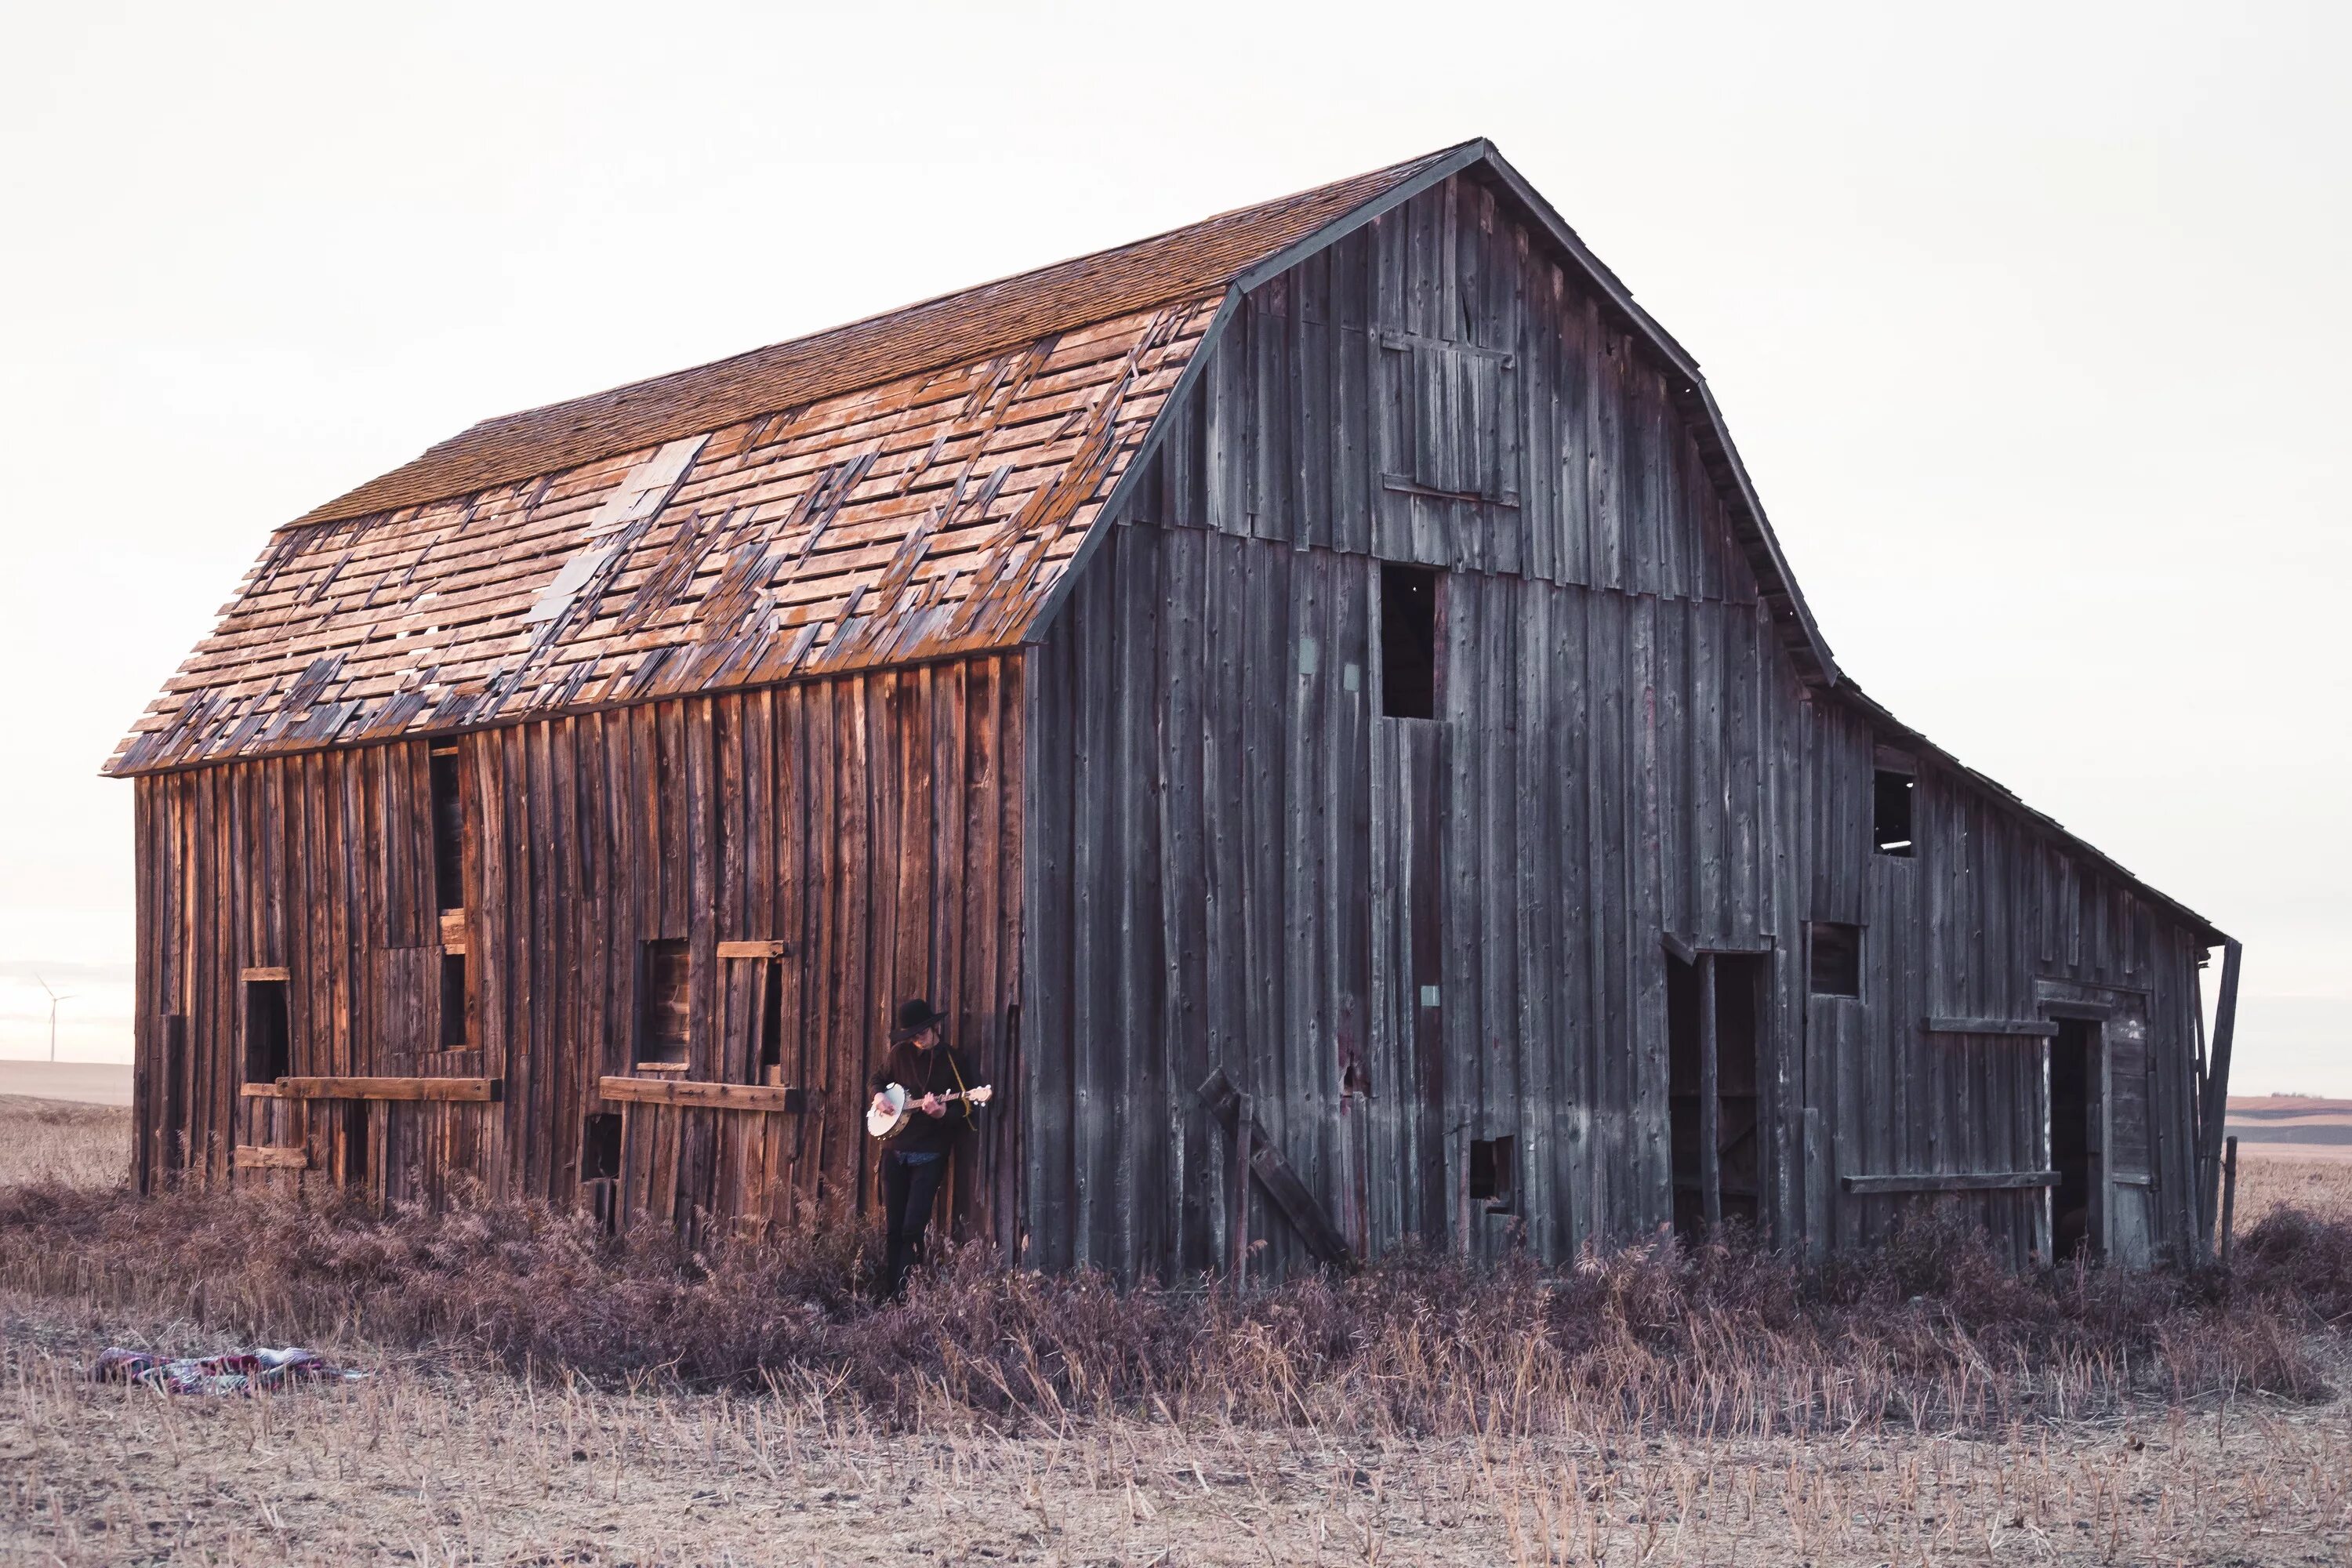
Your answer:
<point x="664" y="992"/>
<point x="268" y="1033"/>
<point x="1408" y="641"/>
<point x="1490" y="1173"/>
<point x="771" y="1021"/>
<point x="1836" y="959"/>
<point x="600" y="1147"/>
<point x="1890" y="794"/>
<point x="448" y="831"/>
<point x="455" y="1033"/>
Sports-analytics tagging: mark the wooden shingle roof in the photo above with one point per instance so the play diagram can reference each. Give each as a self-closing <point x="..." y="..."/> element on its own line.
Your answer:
<point x="907" y="486"/>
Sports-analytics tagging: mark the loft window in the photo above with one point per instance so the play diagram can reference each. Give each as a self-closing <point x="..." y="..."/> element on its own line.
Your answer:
<point x="448" y="831"/>
<point x="1890" y="817"/>
<point x="662" y="1015"/>
<point x="269" y="1039"/>
<point x="455" y="1034"/>
<point x="600" y="1147"/>
<point x="1490" y="1173"/>
<point x="1836" y="959"/>
<point x="1408" y="641"/>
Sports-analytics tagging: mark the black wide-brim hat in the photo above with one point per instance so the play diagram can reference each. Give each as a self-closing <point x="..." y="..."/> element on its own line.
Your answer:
<point x="914" y="1015"/>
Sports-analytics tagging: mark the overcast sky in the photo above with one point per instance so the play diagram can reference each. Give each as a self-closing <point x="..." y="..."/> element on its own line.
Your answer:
<point x="2030" y="323"/>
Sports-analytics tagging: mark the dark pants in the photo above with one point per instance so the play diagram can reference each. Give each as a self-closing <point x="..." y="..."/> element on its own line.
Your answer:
<point x="910" y="1184"/>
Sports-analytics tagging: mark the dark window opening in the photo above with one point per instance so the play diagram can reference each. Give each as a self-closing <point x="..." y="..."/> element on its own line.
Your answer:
<point x="455" y="1034"/>
<point x="2076" y="1215"/>
<point x="1890" y="831"/>
<point x="661" y="1026"/>
<point x="600" y="1147"/>
<point x="355" y="1143"/>
<point x="1490" y="1173"/>
<point x="448" y="832"/>
<point x="269" y="1039"/>
<point x="1836" y="967"/>
<point x="1739" y="983"/>
<point x="771" y="1021"/>
<point x="1408" y="641"/>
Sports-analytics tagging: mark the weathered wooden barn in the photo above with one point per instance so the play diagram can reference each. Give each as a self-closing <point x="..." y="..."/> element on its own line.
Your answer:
<point x="1335" y="646"/>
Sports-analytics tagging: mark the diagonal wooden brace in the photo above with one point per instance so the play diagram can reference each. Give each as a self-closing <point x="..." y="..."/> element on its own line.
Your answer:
<point x="1282" y="1184"/>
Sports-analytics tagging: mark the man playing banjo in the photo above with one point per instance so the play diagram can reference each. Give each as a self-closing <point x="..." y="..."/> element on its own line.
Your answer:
<point x="927" y="1117"/>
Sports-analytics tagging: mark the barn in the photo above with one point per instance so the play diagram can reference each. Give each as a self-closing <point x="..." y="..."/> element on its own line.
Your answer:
<point x="1313" y="695"/>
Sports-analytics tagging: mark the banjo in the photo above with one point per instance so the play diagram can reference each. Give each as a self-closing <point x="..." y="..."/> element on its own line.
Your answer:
<point x="881" y="1123"/>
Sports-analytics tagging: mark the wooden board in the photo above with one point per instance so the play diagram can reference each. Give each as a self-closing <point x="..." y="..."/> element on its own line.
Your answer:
<point x="257" y="1157"/>
<point x="2038" y="1029"/>
<point x="417" y="1089"/>
<point x="691" y="1091"/>
<point x="1951" y="1182"/>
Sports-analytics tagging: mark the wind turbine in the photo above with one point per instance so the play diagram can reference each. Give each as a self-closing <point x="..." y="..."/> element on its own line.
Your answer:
<point x="53" y="1000"/>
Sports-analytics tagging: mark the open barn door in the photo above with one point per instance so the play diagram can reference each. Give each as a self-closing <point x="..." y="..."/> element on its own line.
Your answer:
<point x="1714" y="1047"/>
<point x="2099" y="1132"/>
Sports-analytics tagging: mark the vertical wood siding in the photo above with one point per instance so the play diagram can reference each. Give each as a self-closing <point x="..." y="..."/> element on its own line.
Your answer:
<point x="1236" y="862"/>
<point x="873" y="823"/>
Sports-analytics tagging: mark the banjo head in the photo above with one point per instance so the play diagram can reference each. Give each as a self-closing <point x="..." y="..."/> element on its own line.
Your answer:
<point x="879" y="1122"/>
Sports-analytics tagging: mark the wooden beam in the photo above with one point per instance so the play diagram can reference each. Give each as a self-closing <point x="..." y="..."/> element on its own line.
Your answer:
<point x="1711" y="1108"/>
<point x="1245" y="1120"/>
<point x="2229" y="1194"/>
<point x="269" y="1157"/>
<point x="696" y="1091"/>
<point x="471" y="1089"/>
<point x="1290" y="1196"/>
<point x="755" y="950"/>
<point x="263" y="972"/>
<point x="1959" y="1182"/>
<point x="2036" y="1029"/>
<point x="2215" y="1099"/>
<point x="260" y="1091"/>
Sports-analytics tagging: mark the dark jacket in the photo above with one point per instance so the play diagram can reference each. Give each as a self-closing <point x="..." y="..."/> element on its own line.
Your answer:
<point x="940" y="1071"/>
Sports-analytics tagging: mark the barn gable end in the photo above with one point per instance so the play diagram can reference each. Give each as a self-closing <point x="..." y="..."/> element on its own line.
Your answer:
<point x="1424" y="947"/>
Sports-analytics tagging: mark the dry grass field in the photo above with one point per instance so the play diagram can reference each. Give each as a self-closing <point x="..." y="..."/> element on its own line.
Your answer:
<point x="82" y="1146"/>
<point x="452" y="1453"/>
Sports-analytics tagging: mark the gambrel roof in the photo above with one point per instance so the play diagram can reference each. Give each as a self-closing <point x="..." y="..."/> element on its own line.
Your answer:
<point x="913" y="486"/>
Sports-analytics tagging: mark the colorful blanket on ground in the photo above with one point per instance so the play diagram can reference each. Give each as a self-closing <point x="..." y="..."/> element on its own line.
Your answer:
<point x="247" y="1372"/>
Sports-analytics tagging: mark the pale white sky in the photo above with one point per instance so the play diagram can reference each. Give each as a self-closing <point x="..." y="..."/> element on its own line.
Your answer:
<point x="2029" y="321"/>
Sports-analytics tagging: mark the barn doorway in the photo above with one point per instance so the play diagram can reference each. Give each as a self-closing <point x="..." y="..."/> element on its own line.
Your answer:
<point x="2077" y="1215"/>
<point x="1715" y="1027"/>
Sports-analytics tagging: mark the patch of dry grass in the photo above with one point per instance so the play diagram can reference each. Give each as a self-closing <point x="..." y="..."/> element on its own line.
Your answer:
<point x="2268" y="1182"/>
<point x="1921" y="1405"/>
<point x="1930" y="1330"/>
<point x="51" y="1140"/>
<point x="427" y="1463"/>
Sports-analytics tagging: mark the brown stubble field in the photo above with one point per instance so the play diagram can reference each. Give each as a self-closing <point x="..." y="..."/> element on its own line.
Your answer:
<point x="445" y="1458"/>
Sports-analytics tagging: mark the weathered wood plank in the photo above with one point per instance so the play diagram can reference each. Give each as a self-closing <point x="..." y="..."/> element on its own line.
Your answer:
<point x="2039" y="1029"/>
<point x="484" y="1090"/>
<point x="702" y="1092"/>
<point x="1950" y="1182"/>
<point x="261" y="1157"/>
